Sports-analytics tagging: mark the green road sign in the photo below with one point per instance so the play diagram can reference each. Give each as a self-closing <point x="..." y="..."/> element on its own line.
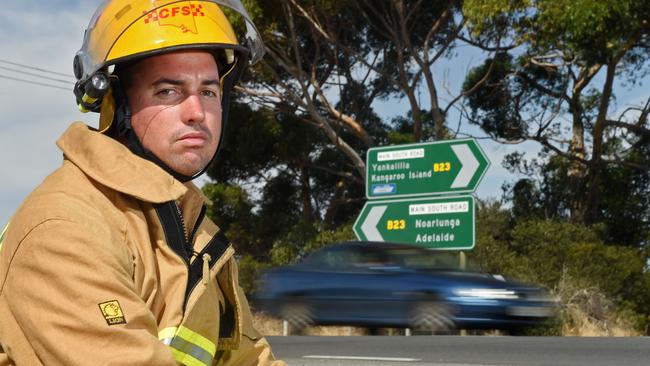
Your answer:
<point x="424" y="169"/>
<point x="436" y="223"/>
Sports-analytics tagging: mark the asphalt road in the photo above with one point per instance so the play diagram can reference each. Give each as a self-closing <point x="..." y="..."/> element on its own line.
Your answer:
<point x="461" y="351"/>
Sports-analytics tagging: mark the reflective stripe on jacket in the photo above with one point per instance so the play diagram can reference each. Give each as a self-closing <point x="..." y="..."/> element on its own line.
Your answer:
<point x="87" y="275"/>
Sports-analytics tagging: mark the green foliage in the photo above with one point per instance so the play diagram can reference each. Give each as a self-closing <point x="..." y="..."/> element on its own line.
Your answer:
<point x="241" y="161"/>
<point x="609" y="267"/>
<point x="398" y="138"/>
<point x="304" y="238"/>
<point x="284" y="190"/>
<point x="596" y="30"/>
<point x="493" y="225"/>
<point x="493" y="104"/>
<point x="490" y="18"/>
<point x="548" y="86"/>
<point x="636" y="295"/>
<point x="551" y="249"/>
<point x="290" y="247"/>
<point x="626" y="203"/>
<point x="231" y="211"/>
<point x="286" y="171"/>
<point x="230" y="203"/>
<point x="548" y="192"/>
<point x="280" y="208"/>
<point x="249" y="271"/>
<point x="593" y="31"/>
<point x="571" y="260"/>
<point x="327" y="237"/>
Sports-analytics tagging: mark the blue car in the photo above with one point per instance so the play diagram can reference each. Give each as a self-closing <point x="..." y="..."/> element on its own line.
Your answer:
<point x="381" y="285"/>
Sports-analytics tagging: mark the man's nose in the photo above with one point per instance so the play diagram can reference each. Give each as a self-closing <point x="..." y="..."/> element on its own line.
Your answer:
<point x="193" y="111"/>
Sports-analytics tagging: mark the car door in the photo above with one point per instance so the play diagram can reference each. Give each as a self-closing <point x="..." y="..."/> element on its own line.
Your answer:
<point x="358" y="286"/>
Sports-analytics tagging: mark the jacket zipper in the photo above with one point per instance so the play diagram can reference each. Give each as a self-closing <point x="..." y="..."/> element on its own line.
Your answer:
<point x="187" y="244"/>
<point x="177" y="237"/>
<point x="189" y="247"/>
<point x="199" y="220"/>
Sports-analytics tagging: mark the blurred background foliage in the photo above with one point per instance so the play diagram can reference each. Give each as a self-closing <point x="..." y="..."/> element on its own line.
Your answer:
<point x="575" y="218"/>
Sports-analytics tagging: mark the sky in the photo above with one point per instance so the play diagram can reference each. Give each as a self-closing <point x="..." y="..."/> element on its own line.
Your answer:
<point x="44" y="34"/>
<point x="47" y="34"/>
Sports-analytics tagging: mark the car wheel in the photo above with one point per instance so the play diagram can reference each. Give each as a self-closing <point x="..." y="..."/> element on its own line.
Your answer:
<point x="298" y="315"/>
<point x="431" y="316"/>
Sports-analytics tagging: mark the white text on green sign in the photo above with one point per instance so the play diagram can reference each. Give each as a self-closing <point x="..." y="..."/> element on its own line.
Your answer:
<point x="437" y="223"/>
<point x="452" y="166"/>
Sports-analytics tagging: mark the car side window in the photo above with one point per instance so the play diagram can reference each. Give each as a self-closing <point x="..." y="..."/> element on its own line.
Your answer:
<point x="369" y="260"/>
<point x="345" y="260"/>
<point x="325" y="260"/>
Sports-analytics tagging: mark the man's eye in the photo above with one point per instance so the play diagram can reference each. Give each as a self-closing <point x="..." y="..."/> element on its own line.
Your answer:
<point x="210" y="93"/>
<point x="165" y="92"/>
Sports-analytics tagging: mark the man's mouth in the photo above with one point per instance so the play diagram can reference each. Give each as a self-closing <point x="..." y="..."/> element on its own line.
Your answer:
<point x="194" y="138"/>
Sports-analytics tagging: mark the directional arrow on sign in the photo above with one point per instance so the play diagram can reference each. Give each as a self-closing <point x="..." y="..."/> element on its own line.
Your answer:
<point x="425" y="169"/>
<point x="435" y="222"/>
<point x="369" y="226"/>
<point x="469" y="165"/>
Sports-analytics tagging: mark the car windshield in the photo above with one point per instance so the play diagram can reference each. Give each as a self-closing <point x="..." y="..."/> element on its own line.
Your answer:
<point x="426" y="259"/>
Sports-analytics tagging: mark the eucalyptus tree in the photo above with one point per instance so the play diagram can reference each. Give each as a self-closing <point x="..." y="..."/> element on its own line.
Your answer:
<point x="329" y="64"/>
<point x="332" y="62"/>
<point x="559" y="88"/>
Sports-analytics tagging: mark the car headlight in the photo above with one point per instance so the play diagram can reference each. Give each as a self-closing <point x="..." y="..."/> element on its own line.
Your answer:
<point x="487" y="293"/>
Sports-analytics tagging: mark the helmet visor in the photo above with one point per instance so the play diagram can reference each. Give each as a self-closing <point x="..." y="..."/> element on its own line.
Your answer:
<point x="114" y="17"/>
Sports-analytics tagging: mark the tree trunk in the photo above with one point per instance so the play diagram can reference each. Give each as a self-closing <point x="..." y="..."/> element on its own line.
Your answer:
<point x="596" y="167"/>
<point x="305" y="194"/>
<point x="577" y="170"/>
<point x="335" y="203"/>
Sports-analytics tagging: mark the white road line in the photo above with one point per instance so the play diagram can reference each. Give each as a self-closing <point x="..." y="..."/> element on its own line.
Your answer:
<point x="359" y="358"/>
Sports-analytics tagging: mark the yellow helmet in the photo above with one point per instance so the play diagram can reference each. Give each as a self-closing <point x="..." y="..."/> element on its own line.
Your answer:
<point x="126" y="30"/>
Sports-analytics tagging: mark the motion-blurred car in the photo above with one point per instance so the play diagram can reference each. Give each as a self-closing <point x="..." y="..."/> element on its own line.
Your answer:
<point x="378" y="285"/>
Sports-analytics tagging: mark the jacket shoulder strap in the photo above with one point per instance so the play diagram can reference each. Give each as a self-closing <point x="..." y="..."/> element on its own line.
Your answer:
<point x="173" y="227"/>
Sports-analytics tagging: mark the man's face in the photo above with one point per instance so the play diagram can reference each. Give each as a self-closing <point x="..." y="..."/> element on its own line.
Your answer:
<point x="175" y="103"/>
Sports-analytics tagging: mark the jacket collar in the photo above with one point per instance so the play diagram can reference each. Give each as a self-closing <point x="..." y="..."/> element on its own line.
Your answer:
<point x="112" y="164"/>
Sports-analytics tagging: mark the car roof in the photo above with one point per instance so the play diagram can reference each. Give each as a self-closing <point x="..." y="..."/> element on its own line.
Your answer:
<point x="373" y="244"/>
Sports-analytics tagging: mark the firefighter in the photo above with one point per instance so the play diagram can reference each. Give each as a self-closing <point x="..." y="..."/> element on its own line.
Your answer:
<point x="112" y="260"/>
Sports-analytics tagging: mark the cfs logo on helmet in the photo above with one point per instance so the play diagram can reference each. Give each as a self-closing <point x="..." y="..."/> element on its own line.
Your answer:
<point x="176" y="16"/>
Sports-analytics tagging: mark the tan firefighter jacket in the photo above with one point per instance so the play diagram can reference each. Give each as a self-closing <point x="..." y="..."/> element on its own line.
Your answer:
<point x="90" y="276"/>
